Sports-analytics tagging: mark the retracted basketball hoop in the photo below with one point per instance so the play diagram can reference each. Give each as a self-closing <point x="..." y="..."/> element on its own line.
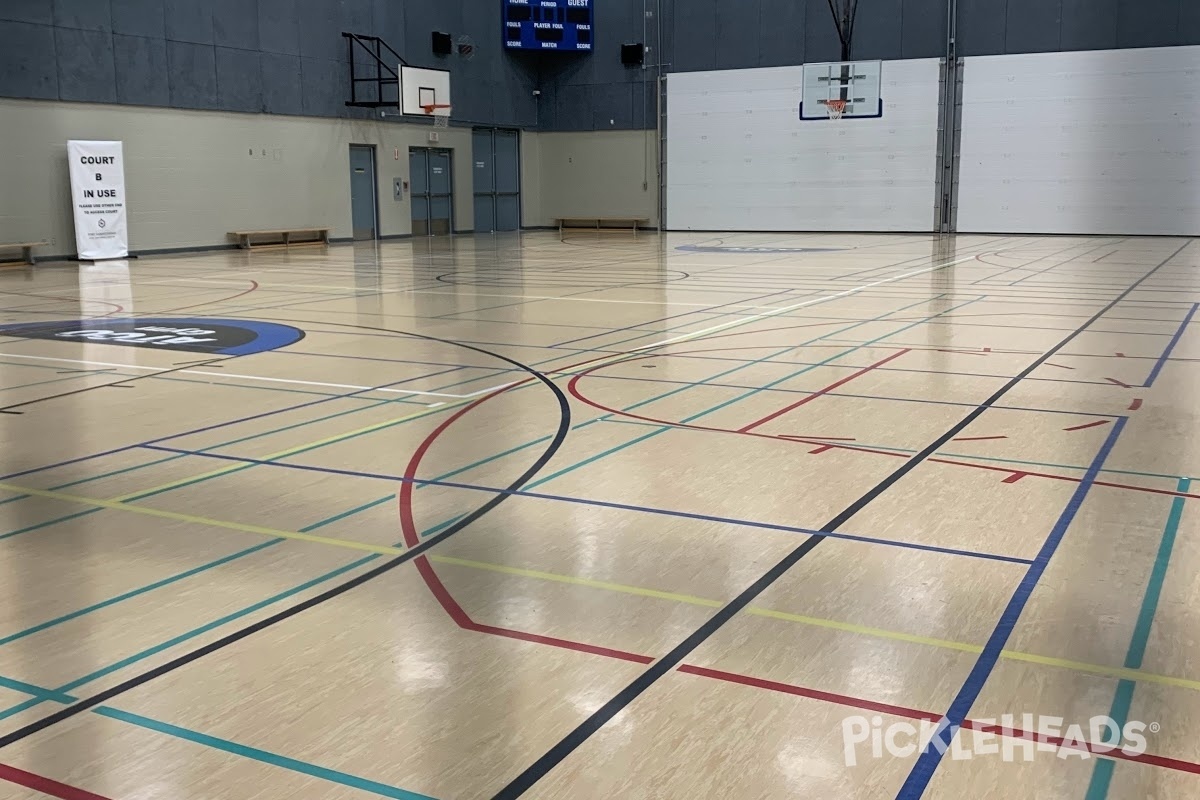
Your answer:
<point x="439" y="120"/>
<point x="835" y="108"/>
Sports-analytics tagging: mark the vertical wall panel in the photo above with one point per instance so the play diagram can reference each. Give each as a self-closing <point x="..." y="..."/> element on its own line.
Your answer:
<point x="279" y="26"/>
<point x="29" y="68"/>
<point x="88" y="15"/>
<point x="981" y="27"/>
<point x="138" y="18"/>
<point x="193" y="75"/>
<point x="781" y="41"/>
<point x="141" y="70"/>
<point x="1034" y="26"/>
<point x="695" y="39"/>
<point x="239" y="80"/>
<point x="740" y="27"/>
<point x="753" y="165"/>
<point x="1148" y="23"/>
<point x="1089" y="24"/>
<point x="877" y="30"/>
<point x="38" y="11"/>
<point x="85" y="65"/>
<point x="821" y="42"/>
<point x="188" y="21"/>
<point x="235" y="23"/>
<point x="283" y="90"/>
<point x="923" y="29"/>
<point x="1116" y="153"/>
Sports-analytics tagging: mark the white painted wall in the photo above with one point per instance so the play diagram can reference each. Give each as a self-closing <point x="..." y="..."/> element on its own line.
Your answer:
<point x="739" y="158"/>
<point x="190" y="176"/>
<point x="1085" y="142"/>
<point x="594" y="173"/>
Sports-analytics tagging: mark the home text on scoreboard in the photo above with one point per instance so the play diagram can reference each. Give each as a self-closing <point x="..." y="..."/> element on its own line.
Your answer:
<point x="548" y="25"/>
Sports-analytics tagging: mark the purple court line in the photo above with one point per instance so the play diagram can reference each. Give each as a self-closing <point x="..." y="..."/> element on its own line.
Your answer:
<point x="582" y="501"/>
<point x="1166" y="354"/>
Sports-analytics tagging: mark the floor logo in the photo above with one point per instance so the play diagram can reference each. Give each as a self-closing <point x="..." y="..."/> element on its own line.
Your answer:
<point x="228" y="337"/>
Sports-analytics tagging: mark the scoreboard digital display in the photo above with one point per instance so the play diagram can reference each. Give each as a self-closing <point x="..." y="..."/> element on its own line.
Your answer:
<point x="548" y="24"/>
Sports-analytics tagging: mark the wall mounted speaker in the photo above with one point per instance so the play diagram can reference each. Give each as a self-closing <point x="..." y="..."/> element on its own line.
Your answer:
<point x="632" y="55"/>
<point x="443" y="45"/>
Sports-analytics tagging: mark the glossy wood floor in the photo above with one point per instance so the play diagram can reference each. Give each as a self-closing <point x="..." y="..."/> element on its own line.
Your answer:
<point x="665" y="518"/>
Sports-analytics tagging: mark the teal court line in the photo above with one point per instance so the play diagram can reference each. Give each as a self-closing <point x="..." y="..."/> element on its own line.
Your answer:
<point x="328" y="576"/>
<point x="1102" y="770"/>
<point x="288" y="593"/>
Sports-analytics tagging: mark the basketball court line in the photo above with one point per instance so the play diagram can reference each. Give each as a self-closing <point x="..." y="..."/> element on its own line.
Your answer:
<point x="568" y="744"/>
<point x="46" y="786"/>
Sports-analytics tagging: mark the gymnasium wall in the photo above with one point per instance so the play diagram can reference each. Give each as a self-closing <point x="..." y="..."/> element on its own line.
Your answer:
<point x="1089" y="142"/>
<point x="739" y="157"/>
<point x="191" y="176"/>
<point x="272" y="56"/>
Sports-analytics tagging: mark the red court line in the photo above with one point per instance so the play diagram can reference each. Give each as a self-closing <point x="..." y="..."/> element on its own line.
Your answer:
<point x="1136" y="404"/>
<point x="978" y="438"/>
<point x="823" y="446"/>
<point x="1060" y="366"/>
<point x="1086" y="425"/>
<point x="463" y="620"/>
<point x="819" y="392"/>
<point x="959" y="352"/>
<point x="45" y="785"/>
<point x="1118" y="383"/>
<point x="797" y="437"/>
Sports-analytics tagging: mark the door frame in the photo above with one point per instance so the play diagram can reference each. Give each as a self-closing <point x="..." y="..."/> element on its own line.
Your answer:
<point x="369" y="148"/>
<point x="494" y="194"/>
<point x="449" y="151"/>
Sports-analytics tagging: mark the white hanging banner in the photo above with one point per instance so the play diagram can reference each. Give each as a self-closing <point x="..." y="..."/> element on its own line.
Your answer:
<point x="98" y="198"/>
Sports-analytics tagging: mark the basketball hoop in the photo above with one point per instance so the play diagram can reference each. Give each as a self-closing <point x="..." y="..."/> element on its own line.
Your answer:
<point x="835" y="108"/>
<point x="439" y="120"/>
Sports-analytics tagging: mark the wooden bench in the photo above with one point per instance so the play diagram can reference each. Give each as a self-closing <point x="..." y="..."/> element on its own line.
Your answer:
<point x="284" y="237"/>
<point x="601" y="224"/>
<point x="26" y="249"/>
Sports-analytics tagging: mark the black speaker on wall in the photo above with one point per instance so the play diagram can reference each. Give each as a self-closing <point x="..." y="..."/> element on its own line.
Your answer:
<point x="442" y="44"/>
<point x="632" y="55"/>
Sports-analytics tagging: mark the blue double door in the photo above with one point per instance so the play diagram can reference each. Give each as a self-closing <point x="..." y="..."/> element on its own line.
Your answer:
<point x="497" y="179"/>
<point x="432" y="188"/>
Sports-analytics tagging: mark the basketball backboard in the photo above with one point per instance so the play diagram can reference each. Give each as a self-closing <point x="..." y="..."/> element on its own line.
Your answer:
<point x="856" y="82"/>
<point x="424" y="87"/>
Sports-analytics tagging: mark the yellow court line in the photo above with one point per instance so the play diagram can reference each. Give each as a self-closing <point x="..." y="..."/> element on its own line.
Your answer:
<point x="177" y="517"/>
<point x="882" y="633"/>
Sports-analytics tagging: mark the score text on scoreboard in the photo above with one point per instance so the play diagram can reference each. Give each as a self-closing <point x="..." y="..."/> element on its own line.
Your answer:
<point x="548" y="24"/>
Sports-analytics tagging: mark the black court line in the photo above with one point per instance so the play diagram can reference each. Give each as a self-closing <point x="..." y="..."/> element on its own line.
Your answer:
<point x="564" y="426"/>
<point x="121" y="384"/>
<point x="568" y="744"/>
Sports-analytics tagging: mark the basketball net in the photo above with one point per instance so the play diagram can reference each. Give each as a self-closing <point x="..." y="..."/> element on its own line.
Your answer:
<point x="835" y="108"/>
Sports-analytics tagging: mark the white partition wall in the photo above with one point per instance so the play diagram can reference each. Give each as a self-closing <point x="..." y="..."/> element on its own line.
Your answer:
<point x="740" y="158"/>
<point x="1086" y="142"/>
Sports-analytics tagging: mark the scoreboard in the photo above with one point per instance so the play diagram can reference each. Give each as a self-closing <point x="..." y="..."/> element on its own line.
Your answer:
<point x="548" y="24"/>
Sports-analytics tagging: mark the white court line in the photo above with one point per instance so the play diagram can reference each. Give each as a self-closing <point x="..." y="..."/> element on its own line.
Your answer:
<point x="786" y="309"/>
<point x="259" y="377"/>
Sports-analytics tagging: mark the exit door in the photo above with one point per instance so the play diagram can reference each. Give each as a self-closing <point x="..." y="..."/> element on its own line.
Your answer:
<point x="497" y="181"/>
<point x="362" y="191"/>
<point x="432" y="191"/>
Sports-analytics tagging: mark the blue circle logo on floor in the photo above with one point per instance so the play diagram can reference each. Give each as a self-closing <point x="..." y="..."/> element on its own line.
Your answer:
<point x="699" y="248"/>
<point x="226" y="337"/>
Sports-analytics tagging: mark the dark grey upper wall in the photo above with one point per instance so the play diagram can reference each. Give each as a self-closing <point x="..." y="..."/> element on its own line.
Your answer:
<point x="275" y="56"/>
<point x="735" y="34"/>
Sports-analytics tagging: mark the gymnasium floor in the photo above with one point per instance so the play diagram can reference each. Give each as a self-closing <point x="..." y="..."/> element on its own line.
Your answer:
<point x="609" y="518"/>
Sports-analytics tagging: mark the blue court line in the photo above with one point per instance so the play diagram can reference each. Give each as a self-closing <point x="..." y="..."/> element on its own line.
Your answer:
<point x="285" y="594"/>
<point x="1162" y="360"/>
<point x="419" y="482"/>
<point x="262" y="756"/>
<point x="927" y="763"/>
<point x="1102" y="771"/>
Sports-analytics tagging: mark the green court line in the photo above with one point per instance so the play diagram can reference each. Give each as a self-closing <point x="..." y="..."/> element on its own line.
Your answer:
<point x="1102" y="770"/>
<point x="262" y="756"/>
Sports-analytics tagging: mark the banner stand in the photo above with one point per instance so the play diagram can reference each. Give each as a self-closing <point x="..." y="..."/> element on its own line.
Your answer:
<point x="98" y="199"/>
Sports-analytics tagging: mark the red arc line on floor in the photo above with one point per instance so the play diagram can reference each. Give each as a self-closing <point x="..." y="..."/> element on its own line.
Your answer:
<point x="819" y="392"/>
<point x="978" y="438"/>
<point x="1060" y="366"/>
<point x="1118" y="383"/>
<point x="45" y="785"/>
<point x="1136" y="404"/>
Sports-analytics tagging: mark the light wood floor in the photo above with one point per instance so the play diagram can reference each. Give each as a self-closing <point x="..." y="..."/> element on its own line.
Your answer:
<point x="667" y="518"/>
